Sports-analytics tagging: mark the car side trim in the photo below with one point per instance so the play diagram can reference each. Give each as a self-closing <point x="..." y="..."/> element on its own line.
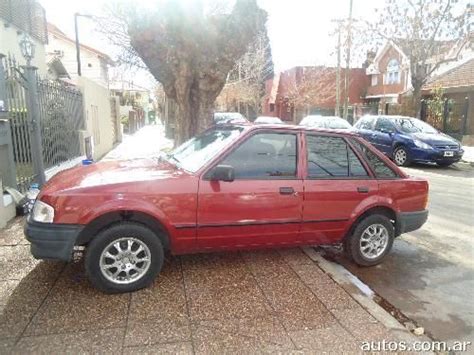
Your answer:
<point x="255" y="223"/>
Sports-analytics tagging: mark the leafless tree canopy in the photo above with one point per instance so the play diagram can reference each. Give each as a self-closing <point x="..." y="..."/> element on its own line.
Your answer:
<point x="246" y="81"/>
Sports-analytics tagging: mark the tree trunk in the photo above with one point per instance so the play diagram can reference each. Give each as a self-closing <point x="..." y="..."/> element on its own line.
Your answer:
<point x="194" y="115"/>
<point x="416" y="99"/>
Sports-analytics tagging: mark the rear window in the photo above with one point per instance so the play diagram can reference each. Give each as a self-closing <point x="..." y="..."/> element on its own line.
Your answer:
<point x="378" y="166"/>
<point x="331" y="157"/>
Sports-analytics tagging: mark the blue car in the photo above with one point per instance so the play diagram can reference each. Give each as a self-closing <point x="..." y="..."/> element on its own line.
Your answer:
<point x="409" y="140"/>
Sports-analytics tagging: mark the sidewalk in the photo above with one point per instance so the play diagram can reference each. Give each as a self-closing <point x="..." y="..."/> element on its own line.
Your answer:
<point x="265" y="301"/>
<point x="148" y="142"/>
<point x="244" y="302"/>
<point x="468" y="154"/>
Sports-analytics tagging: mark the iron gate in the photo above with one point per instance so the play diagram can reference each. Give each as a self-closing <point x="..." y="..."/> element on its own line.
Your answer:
<point x="61" y="117"/>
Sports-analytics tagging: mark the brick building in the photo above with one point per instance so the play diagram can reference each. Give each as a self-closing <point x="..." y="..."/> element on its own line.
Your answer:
<point x="300" y="91"/>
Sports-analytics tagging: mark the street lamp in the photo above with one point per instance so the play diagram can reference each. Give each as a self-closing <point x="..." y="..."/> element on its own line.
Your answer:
<point x="78" y="47"/>
<point x="27" y="47"/>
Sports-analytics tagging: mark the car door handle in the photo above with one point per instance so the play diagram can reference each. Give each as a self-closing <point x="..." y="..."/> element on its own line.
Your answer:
<point x="287" y="191"/>
<point x="363" y="189"/>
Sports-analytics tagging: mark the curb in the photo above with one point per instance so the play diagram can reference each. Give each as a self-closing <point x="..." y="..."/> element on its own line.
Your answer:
<point x="347" y="281"/>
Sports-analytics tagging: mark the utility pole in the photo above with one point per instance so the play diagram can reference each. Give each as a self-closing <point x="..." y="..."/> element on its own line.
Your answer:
<point x="348" y="62"/>
<point x="78" y="46"/>
<point x="337" y="110"/>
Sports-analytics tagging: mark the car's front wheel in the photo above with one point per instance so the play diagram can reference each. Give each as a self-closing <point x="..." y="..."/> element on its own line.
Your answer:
<point x="371" y="240"/>
<point x="401" y="156"/>
<point x="123" y="258"/>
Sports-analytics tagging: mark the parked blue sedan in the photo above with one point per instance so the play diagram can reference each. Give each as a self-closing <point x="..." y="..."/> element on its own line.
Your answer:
<point x="407" y="140"/>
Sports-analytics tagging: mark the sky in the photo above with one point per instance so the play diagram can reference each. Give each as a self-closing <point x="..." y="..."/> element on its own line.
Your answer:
<point x="299" y="30"/>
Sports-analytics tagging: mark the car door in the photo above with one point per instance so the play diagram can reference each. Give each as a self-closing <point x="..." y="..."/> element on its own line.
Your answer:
<point x="263" y="205"/>
<point x="383" y="135"/>
<point x="336" y="184"/>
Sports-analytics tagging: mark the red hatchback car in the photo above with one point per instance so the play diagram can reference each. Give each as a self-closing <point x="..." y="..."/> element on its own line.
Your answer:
<point x="232" y="187"/>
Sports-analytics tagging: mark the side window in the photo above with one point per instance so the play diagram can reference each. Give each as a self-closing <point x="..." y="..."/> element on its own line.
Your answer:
<point x="331" y="157"/>
<point x="265" y="156"/>
<point x="384" y="125"/>
<point x="365" y="123"/>
<point x="378" y="166"/>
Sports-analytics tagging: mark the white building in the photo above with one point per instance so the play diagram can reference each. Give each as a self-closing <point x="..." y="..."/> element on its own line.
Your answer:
<point x="94" y="63"/>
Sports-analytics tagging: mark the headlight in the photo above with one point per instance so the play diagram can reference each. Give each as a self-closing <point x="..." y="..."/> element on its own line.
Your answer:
<point x="42" y="212"/>
<point x="421" y="144"/>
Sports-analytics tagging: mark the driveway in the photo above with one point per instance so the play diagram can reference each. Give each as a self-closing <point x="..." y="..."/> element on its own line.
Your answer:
<point x="266" y="301"/>
<point x="429" y="275"/>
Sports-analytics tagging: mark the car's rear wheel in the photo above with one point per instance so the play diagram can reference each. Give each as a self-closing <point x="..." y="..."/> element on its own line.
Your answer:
<point x="401" y="156"/>
<point x="123" y="258"/>
<point x="371" y="240"/>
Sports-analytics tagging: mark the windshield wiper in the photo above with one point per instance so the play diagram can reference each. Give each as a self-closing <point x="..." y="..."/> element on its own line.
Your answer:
<point x="172" y="157"/>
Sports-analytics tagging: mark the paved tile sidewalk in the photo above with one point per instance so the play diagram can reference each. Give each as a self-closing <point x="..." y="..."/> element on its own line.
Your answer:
<point x="263" y="301"/>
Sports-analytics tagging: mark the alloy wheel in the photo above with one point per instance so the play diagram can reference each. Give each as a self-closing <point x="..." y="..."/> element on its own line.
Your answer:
<point x="400" y="156"/>
<point x="125" y="260"/>
<point x="374" y="241"/>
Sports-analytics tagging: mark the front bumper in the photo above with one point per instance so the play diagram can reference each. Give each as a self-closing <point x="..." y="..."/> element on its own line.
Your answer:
<point x="52" y="241"/>
<point x="410" y="221"/>
<point x="435" y="156"/>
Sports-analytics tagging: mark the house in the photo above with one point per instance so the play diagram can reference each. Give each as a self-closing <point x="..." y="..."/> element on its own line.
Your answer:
<point x="300" y="91"/>
<point x="457" y="85"/>
<point x="389" y="70"/>
<point x="94" y="63"/>
<point x="135" y="103"/>
<point x="20" y="17"/>
<point x="389" y="76"/>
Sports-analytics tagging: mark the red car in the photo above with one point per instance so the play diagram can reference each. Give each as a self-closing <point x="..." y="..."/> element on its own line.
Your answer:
<point x="233" y="187"/>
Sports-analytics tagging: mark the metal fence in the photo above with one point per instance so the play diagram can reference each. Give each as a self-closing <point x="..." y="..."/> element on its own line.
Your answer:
<point x="61" y="112"/>
<point x="55" y="106"/>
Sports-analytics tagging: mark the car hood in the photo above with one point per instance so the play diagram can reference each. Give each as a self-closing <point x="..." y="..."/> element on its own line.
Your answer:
<point x="434" y="138"/>
<point x="111" y="173"/>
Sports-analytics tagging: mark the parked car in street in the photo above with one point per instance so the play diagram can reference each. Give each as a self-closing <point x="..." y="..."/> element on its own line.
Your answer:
<point x="409" y="140"/>
<point x="229" y="117"/>
<point x="328" y="122"/>
<point x="268" y="120"/>
<point x="233" y="187"/>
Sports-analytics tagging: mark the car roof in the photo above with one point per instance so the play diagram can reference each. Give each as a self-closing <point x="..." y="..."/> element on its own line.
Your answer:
<point x="387" y="116"/>
<point x="285" y="127"/>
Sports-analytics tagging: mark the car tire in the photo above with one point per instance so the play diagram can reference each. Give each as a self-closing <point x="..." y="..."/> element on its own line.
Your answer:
<point x="359" y="245"/>
<point x="401" y="156"/>
<point x="123" y="258"/>
<point x="444" y="164"/>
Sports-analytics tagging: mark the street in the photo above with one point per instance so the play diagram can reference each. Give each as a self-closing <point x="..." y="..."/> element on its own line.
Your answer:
<point x="429" y="275"/>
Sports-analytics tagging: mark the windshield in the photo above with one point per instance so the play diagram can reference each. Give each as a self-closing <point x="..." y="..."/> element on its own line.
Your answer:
<point x="413" y="125"/>
<point x="337" y="123"/>
<point x="193" y="154"/>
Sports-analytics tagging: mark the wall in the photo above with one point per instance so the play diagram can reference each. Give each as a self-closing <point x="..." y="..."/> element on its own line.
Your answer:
<point x="98" y="116"/>
<point x="9" y="43"/>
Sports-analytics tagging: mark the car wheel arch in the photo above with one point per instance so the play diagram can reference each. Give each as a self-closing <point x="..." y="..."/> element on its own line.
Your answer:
<point x="380" y="209"/>
<point x="110" y="218"/>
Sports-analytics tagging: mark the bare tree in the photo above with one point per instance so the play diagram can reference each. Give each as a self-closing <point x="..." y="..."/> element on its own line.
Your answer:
<point x="189" y="48"/>
<point x="426" y="31"/>
<point x="246" y="81"/>
<point x="315" y="87"/>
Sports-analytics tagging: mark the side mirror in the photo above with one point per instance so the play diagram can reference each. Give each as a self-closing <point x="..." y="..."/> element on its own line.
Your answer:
<point x="384" y="130"/>
<point x="223" y="173"/>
